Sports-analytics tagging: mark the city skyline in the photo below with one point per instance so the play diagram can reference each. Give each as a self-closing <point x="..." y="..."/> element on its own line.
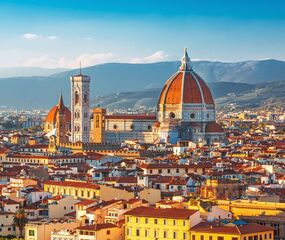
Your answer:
<point x="56" y="34"/>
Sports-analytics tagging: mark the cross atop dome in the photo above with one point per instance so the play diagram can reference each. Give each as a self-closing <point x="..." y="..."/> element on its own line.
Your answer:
<point x="185" y="62"/>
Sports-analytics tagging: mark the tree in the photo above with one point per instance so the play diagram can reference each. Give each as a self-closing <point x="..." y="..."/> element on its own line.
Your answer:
<point x="20" y="221"/>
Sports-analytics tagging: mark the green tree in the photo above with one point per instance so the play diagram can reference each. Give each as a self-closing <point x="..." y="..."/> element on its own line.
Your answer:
<point x="20" y="221"/>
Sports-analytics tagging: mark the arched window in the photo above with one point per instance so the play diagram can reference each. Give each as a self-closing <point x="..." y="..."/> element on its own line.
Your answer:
<point x="76" y="97"/>
<point x="97" y="121"/>
<point x="172" y="115"/>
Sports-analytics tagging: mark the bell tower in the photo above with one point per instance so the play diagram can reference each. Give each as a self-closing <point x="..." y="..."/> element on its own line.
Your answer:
<point x="61" y="130"/>
<point x="80" y="107"/>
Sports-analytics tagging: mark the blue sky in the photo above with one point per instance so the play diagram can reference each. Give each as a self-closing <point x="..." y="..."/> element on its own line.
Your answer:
<point x="62" y="33"/>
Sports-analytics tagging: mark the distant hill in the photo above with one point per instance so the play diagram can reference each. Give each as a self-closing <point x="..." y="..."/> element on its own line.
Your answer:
<point x="149" y="97"/>
<point x="107" y="79"/>
<point x="6" y="72"/>
<point x="264" y="95"/>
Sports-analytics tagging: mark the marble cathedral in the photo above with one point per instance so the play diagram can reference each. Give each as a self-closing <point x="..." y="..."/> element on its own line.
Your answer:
<point x="185" y="111"/>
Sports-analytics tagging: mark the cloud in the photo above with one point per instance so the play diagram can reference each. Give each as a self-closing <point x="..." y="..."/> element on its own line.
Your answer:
<point x="86" y="59"/>
<point x="88" y="38"/>
<point x="89" y="59"/>
<point x="52" y="37"/>
<point x="155" y="57"/>
<point x="31" y="36"/>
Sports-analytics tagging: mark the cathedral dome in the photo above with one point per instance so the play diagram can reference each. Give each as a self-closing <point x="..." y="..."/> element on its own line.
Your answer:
<point x="51" y="116"/>
<point x="186" y="87"/>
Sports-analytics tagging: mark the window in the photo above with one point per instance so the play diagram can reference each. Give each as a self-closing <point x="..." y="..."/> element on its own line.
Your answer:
<point x="165" y="234"/>
<point x="145" y="233"/>
<point x="192" y="115"/>
<point x="174" y="222"/>
<point x="115" y="126"/>
<point x="132" y="127"/>
<point x="97" y="121"/>
<point x="184" y="235"/>
<point x="76" y="97"/>
<point x="202" y="237"/>
<point x="172" y="115"/>
<point x="220" y="238"/>
<point x="159" y="170"/>
<point x="128" y="232"/>
<point x="234" y="238"/>
<point x="164" y="221"/>
<point x="270" y="235"/>
<point x="146" y="220"/>
<point x="155" y="233"/>
<point x="32" y="233"/>
<point x="174" y="235"/>
<point x="137" y="220"/>
<point x="211" y="238"/>
<point x="155" y="221"/>
<point x="137" y="232"/>
<point x="108" y="232"/>
<point x="193" y="237"/>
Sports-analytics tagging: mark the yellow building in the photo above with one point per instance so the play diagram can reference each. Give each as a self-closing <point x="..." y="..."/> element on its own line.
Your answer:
<point x="209" y="231"/>
<point x="73" y="188"/>
<point x="154" y="223"/>
<point x="270" y="214"/>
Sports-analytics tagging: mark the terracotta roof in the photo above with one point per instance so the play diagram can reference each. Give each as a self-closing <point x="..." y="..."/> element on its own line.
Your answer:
<point x="131" y="116"/>
<point x="241" y="229"/>
<point x="162" y="165"/>
<point x="174" y="213"/>
<point x="97" y="227"/>
<point x="85" y="202"/>
<point x="213" y="127"/>
<point x="185" y="86"/>
<point x="51" y="116"/>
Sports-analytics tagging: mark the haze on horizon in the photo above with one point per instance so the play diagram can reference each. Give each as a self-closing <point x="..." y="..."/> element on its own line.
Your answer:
<point x="60" y="34"/>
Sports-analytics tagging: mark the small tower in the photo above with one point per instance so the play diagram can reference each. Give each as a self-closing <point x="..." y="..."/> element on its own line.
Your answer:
<point x="80" y="107"/>
<point x="98" y="125"/>
<point x="61" y="128"/>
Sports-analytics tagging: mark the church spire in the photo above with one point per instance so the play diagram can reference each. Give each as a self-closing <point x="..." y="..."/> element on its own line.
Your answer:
<point x="185" y="62"/>
<point x="60" y="101"/>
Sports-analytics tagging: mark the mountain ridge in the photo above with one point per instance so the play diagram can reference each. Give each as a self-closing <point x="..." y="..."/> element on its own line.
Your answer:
<point x="109" y="78"/>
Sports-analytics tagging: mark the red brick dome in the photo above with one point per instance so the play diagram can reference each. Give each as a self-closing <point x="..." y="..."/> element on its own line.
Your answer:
<point x="51" y="116"/>
<point x="185" y="86"/>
